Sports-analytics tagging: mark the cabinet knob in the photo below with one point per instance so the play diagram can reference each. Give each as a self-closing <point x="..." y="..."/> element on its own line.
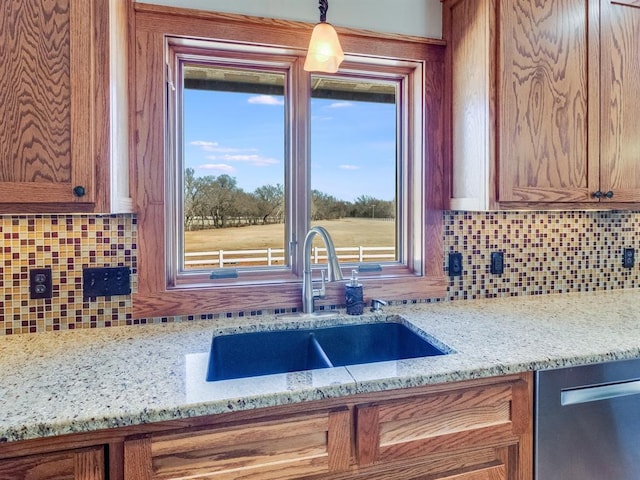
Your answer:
<point x="609" y="194"/>
<point x="598" y="194"/>
<point x="79" y="191"/>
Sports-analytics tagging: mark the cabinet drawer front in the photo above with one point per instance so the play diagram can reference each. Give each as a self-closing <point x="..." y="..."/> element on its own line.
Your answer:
<point x="437" y="423"/>
<point x="277" y="449"/>
<point x="82" y="464"/>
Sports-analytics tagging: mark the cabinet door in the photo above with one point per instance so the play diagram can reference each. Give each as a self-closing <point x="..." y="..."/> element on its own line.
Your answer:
<point x="546" y="152"/>
<point x="85" y="464"/>
<point x="278" y="449"/>
<point x="48" y="126"/>
<point x="620" y="102"/>
<point x="483" y="431"/>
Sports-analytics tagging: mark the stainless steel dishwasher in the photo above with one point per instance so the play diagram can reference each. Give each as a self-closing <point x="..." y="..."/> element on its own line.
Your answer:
<point x="587" y="422"/>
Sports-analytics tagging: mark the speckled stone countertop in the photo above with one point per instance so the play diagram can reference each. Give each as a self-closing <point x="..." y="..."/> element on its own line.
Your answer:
<point x="64" y="382"/>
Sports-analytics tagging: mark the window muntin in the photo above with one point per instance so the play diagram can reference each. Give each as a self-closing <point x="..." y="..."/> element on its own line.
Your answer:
<point x="395" y="81"/>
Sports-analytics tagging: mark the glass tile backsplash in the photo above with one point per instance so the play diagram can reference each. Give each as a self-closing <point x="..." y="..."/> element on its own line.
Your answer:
<point x="544" y="253"/>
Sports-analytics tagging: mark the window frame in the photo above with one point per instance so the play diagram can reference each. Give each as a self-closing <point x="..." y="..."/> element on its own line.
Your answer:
<point x="155" y="295"/>
<point x="405" y="75"/>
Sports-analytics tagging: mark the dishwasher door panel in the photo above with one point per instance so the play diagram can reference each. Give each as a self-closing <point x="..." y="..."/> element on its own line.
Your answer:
<point x="587" y="422"/>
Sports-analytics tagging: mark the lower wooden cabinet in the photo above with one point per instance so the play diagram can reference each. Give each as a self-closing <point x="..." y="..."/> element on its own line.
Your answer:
<point x="479" y="430"/>
<point x="471" y="430"/>
<point x="81" y="464"/>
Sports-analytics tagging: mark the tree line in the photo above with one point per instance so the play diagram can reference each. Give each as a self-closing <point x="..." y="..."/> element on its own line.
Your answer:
<point x="218" y="202"/>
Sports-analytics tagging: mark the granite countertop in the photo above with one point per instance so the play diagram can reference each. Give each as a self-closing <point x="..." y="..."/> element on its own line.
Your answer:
<point x="78" y="381"/>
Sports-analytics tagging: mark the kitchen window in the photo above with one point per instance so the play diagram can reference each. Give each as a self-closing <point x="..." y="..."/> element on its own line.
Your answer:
<point x="257" y="162"/>
<point x="239" y="152"/>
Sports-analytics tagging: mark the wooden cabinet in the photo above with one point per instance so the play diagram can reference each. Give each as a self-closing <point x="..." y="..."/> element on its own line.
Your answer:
<point x="542" y="103"/>
<point x="480" y="430"/>
<point x="619" y="100"/>
<point x="317" y="443"/>
<point x="466" y="433"/>
<point x="61" y="103"/>
<point x="81" y="464"/>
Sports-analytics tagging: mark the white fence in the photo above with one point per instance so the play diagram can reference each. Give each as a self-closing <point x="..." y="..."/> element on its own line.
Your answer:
<point x="275" y="256"/>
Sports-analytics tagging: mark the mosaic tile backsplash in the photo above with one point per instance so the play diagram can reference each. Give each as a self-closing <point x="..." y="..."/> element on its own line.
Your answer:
<point x="66" y="244"/>
<point x="544" y="253"/>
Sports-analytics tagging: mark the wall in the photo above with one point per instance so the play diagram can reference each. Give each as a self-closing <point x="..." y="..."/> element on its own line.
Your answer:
<point x="545" y="253"/>
<point x="422" y="18"/>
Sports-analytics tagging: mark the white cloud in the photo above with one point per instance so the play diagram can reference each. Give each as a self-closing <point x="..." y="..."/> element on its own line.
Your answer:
<point x="253" y="159"/>
<point x="349" y="167"/>
<point x="215" y="147"/>
<point x="341" y="105"/>
<point x="219" y="167"/>
<point x="265" y="100"/>
<point x="206" y="146"/>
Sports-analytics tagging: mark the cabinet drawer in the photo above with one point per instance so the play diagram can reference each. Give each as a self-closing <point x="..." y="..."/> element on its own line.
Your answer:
<point x="487" y="416"/>
<point x="81" y="464"/>
<point x="274" y="449"/>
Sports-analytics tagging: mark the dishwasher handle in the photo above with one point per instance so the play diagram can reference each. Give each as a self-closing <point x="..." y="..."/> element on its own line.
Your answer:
<point x="579" y="395"/>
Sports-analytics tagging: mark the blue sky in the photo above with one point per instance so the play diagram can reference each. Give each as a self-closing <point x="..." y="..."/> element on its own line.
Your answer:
<point x="352" y="143"/>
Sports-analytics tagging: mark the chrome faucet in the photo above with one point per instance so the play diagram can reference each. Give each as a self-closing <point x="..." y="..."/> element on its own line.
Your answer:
<point x="335" y="274"/>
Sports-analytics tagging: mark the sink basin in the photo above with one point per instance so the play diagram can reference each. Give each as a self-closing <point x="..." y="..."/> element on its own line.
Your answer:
<point x="263" y="353"/>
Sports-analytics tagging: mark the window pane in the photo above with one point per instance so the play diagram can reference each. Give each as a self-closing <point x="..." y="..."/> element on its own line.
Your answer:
<point x="354" y="166"/>
<point x="233" y="150"/>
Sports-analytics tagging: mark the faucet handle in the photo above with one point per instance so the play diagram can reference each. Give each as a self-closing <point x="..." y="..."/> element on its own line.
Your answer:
<point x="320" y="292"/>
<point x="377" y="304"/>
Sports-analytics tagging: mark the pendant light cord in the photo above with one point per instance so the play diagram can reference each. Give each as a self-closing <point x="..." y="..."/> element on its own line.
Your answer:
<point x="324" y="6"/>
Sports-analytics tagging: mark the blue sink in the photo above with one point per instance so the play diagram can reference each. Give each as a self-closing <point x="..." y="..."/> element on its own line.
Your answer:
<point x="373" y="342"/>
<point x="263" y="353"/>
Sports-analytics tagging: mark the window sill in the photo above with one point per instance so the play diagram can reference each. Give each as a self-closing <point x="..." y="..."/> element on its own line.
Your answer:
<point x="235" y="298"/>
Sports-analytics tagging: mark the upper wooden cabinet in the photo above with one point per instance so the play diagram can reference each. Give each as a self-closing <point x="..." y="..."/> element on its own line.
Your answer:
<point x="542" y="103"/>
<point x="63" y="106"/>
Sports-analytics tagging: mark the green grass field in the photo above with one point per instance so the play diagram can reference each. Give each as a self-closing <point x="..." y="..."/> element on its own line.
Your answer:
<point x="346" y="232"/>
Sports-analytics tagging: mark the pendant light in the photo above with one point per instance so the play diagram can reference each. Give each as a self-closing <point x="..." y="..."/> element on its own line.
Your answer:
<point x="325" y="53"/>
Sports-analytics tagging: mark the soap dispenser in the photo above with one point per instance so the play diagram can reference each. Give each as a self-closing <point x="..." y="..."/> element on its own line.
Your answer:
<point x="354" y="295"/>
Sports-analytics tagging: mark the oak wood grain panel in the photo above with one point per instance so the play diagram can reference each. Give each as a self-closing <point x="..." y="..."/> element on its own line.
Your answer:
<point x="137" y="459"/>
<point x="444" y="423"/>
<point x="48" y="137"/>
<point x="435" y="195"/>
<point x="257" y="432"/>
<point x="87" y="464"/>
<point x="490" y="472"/>
<point x="35" y="98"/>
<point x="543" y="105"/>
<point x="339" y="440"/>
<point x="277" y="449"/>
<point x="464" y="399"/>
<point x="367" y="434"/>
<point x="498" y="436"/>
<point x="431" y="467"/>
<point x="620" y="103"/>
<point x="90" y="464"/>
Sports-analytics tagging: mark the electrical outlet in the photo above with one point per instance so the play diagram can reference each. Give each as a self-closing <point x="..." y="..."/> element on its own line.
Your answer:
<point x="106" y="281"/>
<point x="628" y="257"/>
<point x="497" y="263"/>
<point x="40" y="283"/>
<point x="455" y="264"/>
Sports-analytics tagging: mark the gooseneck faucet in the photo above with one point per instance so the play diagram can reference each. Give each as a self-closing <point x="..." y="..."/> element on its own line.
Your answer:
<point x="335" y="274"/>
